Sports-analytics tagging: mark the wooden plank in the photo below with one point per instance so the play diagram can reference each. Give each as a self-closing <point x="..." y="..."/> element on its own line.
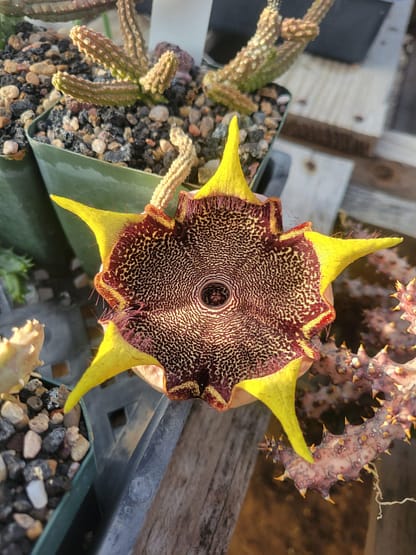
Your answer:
<point x="396" y="531"/>
<point x="404" y="115"/>
<point x="380" y="209"/>
<point x="397" y="146"/>
<point x="315" y="187"/>
<point x="346" y="106"/>
<point x="198" y="502"/>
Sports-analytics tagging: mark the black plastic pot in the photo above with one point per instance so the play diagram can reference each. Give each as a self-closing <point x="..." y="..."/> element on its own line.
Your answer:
<point x="346" y="33"/>
<point x="28" y="222"/>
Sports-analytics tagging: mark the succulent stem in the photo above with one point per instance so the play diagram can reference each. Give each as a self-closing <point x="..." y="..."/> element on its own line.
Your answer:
<point x="120" y="93"/>
<point x="178" y="171"/>
<point x="55" y="10"/>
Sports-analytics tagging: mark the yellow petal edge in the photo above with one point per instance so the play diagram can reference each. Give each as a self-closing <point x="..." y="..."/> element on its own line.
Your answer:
<point x="277" y="392"/>
<point x="114" y="356"/>
<point x="229" y="179"/>
<point x="105" y="224"/>
<point x="335" y="254"/>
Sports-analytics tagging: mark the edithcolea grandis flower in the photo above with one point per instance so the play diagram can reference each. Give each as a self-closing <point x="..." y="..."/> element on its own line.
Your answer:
<point x="217" y="302"/>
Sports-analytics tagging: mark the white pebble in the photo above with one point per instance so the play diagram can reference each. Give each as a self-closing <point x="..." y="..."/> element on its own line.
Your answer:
<point x="32" y="444"/>
<point x="10" y="92"/>
<point x="10" y="147"/>
<point x="98" y="146"/>
<point x="12" y="412"/>
<point x="159" y="113"/>
<point x="39" y="423"/>
<point x="36" y="492"/>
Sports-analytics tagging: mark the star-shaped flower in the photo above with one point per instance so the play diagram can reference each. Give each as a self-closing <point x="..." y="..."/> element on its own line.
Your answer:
<point x="218" y="302"/>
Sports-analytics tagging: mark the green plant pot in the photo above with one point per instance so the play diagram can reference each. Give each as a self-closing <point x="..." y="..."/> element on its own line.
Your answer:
<point x="28" y="222"/>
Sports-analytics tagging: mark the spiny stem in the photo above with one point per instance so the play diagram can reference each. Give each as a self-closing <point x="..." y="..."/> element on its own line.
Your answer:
<point x="55" y="10"/>
<point x="102" y="50"/>
<point x="178" y="171"/>
<point x="134" y="45"/>
<point x="119" y="93"/>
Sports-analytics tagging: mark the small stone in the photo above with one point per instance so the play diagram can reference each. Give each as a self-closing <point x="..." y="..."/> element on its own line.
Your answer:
<point x="194" y="130"/>
<point x="165" y="145"/>
<point x="58" y="143"/>
<point x="72" y="418"/>
<point x="3" y="470"/>
<point x="36" y="493"/>
<point x="99" y="146"/>
<point x="15" y="464"/>
<point x="40" y="423"/>
<point x="27" y="117"/>
<point x="38" y="469"/>
<point x="24" y="520"/>
<point x="283" y="99"/>
<point x="10" y="66"/>
<point x="266" y="107"/>
<point x="206" y="171"/>
<point x="159" y="113"/>
<point x="80" y="448"/>
<point x="194" y="115"/>
<point x="13" y="412"/>
<point x="53" y="440"/>
<point x="56" y="418"/>
<point x="22" y="504"/>
<point x="57" y="485"/>
<point x="34" y="403"/>
<point x="4" y="121"/>
<point x="6" y="429"/>
<point x="11" y="532"/>
<point x="32" y="444"/>
<point x="15" y="443"/>
<point x="43" y="68"/>
<point x="10" y="147"/>
<point x="73" y="469"/>
<point x="35" y="530"/>
<point x="9" y="92"/>
<point x="32" y="78"/>
<point x="54" y="398"/>
<point x="206" y="126"/>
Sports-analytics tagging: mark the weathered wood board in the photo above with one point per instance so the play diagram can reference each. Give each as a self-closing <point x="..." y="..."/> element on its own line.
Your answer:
<point x="345" y="106"/>
<point x="315" y="187"/>
<point x="381" y="209"/>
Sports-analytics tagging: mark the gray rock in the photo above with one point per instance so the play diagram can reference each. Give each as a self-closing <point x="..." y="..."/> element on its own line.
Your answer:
<point x="53" y="440"/>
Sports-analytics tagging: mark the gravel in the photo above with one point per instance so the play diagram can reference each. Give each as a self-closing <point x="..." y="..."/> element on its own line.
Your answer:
<point x="28" y="61"/>
<point x="40" y="453"/>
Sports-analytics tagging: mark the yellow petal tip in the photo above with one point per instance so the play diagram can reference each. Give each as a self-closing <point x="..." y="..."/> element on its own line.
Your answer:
<point x="229" y="179"/>
<point x="277" y="392"/>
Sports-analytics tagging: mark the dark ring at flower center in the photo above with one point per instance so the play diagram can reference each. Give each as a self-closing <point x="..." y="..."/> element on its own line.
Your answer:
<point x="215" y="294"/>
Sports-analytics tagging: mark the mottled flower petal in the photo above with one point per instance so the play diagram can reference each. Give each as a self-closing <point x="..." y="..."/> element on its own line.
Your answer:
<point x="219" y="298"/>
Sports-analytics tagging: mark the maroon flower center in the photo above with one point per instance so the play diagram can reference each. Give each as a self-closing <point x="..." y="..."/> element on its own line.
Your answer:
<point x="215" y="294"/>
